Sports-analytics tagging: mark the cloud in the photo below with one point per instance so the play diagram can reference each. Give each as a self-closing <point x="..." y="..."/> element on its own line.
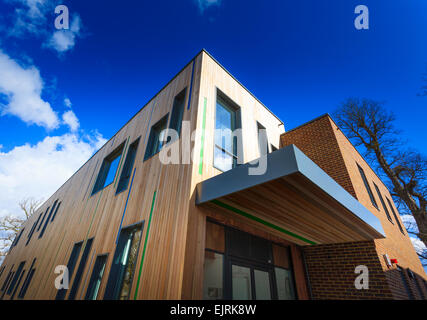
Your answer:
<point x="39" y="170"/>
<point x="69" y="118"/>
<point x="67" y="102"/>
<point x="204" y="4"/>
<point x="30" y="18"/>
<point x="64" y="40"/>
<point x="21" y="88"/>
<point x="418" y="245"/>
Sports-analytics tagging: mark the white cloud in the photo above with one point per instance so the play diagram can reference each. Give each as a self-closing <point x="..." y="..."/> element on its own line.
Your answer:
<point x="64" y="40"/>
<point x="39" y="170"/>
<point x="22" y="88"/>
<point x="204" y="4"/>
<point x="70" y="119"/>
<point x="67" y="102"/>
<point x="30" y="18"/>
<point x="418" y="245"/>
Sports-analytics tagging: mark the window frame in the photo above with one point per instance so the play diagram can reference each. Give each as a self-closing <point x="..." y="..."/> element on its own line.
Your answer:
<point x="149" y="149"/>
<point x="178" y="110"/>
<point x="135" y="143"/>
<point x="103" y="171"/>
<point x="92" y="276"/>
<point x="367" y="186"/>
<point x="383" y="203"/>
<point x="235" y="109"/>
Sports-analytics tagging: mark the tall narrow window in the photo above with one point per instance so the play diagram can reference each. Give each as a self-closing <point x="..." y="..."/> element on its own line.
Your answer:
<point x="70" y="265"/>
<point x="108" y="170"/>
<point x="96" y="277"/>
<point x="16" y="277"/>
<point x="127" y="167"/>
<point x="157" y="137"/>
<point x="17" y="284"/>
<point x="27" y="281"/>
<point x="44" y="217"/>
<point x="178" y="112"/>
<point x="383" y="204"/>
<point x="80" y="270"/>
<point x="48" y="218"/>
<point x="262" y="139"/>
<point x="33" y="228"/>
<point x="6" y="281"/>
<point x="124" y="263"/>
<point x="56" y="211"/>
<point x="18" y="237"/>
<point x="226" y="122"/>
<point x="368" y="188"/>
<point x="395" y="216"/>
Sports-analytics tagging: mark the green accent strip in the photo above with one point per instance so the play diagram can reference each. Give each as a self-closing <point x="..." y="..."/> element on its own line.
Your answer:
<point x="266" y="223"/>
<point x="145" y="246"/>
<point x="121" y="162"/>
<point x="202" y="145"/>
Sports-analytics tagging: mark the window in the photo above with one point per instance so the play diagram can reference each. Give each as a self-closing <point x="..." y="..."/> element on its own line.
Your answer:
<point x="213" y="280"/>
<point x="383" y="204"/>
<point x="156" y="139"/>
<point x="127" y="167"/>
<point x="17" y="284"/>
<point x="32" y="229"/>
<point x="6" y="281"/>
<point x="395" y="216"/>
<point x="56" y="211"/>
<point x="44" y="216"/>
<point x="262" y="140"/>
<point x="48" y="218"/>
<point x="178" y="112"/>
<point x="368" y="188"/>
<point x="70" y="265"/>
<point x="108" y="170"/>
<point x="16" y="277"/>
<point x="27" y="281"/>
<point x="80" y="270"/>
<point x="96" y="277"/>
<point x="226" y="122"/>
<point x="124" y="263"/>
<point x="15" y="242"/>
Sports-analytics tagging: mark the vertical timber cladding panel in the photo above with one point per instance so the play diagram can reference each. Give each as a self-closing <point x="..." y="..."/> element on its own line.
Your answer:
<point x="164" y="257"/>
<point x="213" y="76"/>
<point x="81" y="215"/>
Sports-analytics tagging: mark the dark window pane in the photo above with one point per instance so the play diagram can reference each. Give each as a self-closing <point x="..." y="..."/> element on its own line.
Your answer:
<point x="368" y="188"/>
<point x="108" y="170"/>
<point x="157" y="137"/>
<point x="16" y="277"/>
<point x="80" y="270"/>
<point x="127" y="167"/>
<point x="285" y="284"/>
<point x="178" y="112"/>
<point x="56" y="211"/>
<point x="123" y="265"/>
<point x="395" y="216"/>
<point x="48" y="218"/>
<point x="96" y="278"/>
<point x="70" y="265"/>
<point x="383" y="204"/>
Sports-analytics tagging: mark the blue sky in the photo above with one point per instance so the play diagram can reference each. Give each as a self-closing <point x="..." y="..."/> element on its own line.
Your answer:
<point x="300" y="58"/>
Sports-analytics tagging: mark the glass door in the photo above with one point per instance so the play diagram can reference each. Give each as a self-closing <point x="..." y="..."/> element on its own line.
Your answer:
<point x="250" y="281"/>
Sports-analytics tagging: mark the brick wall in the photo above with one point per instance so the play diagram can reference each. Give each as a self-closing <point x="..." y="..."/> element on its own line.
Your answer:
<point x="317" y="140"/>
<point x="330" y="270"/>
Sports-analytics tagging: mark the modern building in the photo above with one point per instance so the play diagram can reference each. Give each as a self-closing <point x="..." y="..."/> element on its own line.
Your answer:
<point x="246" y="212"/>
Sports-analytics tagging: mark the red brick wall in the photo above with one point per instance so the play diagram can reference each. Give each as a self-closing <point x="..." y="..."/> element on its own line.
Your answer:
<point x="317" y="140"/>
<point x="331" y="275"/>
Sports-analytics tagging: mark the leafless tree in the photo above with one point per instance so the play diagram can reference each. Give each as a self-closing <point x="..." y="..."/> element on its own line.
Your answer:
<point x="11" y="224"/>
<point x="371" y="127"/>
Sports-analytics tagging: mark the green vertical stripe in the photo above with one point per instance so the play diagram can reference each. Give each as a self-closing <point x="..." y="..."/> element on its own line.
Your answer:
<point x="145" y="246"/>
<point x="202" y="145"/>
<point x="266" y="223"/>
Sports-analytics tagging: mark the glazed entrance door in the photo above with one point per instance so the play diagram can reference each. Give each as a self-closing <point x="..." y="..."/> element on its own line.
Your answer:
<point x="250" y="281"/>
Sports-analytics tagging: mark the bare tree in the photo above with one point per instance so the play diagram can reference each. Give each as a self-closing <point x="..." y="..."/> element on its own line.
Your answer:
<point x="10" y="225"/>
<point x="370" y="126"/>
